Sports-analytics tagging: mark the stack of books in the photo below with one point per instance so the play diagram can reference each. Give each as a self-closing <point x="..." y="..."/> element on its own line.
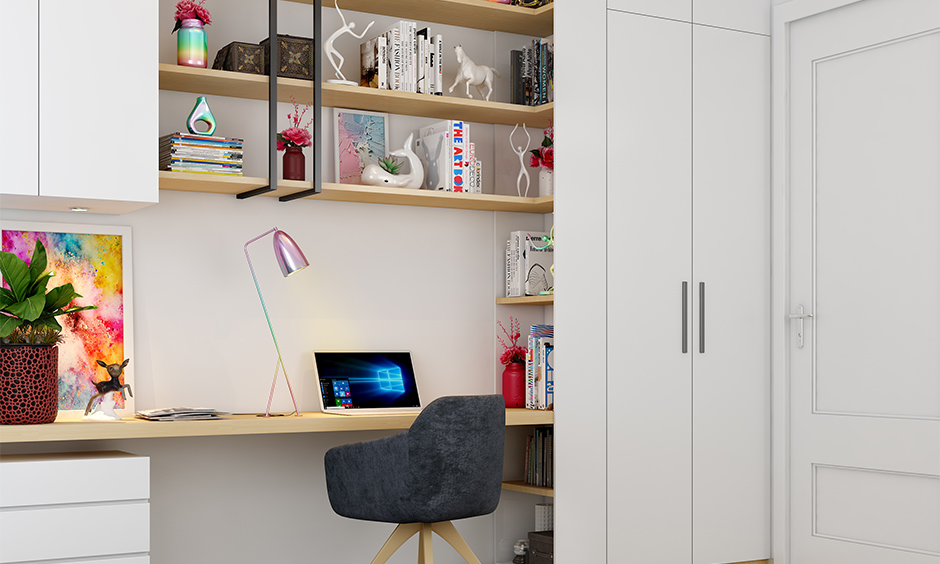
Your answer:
<point x="449" y="158"/>
<point x="404" y="58"/>
<point x="532" y="73"/>
<point x="539" y="458"/>
<point x="185" y="152"/>
<point x="529" y="260"/>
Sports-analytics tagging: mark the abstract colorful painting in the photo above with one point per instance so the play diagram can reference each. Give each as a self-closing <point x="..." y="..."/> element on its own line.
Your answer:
<point x="95" y="259"/>
<point x="360" y="139"/>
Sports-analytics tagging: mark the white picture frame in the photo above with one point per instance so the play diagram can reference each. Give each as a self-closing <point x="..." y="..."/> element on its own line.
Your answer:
<point x="96" y="269"/>
<point x="360" y="137"/>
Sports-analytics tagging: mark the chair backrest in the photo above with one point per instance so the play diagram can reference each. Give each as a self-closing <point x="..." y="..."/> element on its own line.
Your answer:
<point x="455" y="457"/>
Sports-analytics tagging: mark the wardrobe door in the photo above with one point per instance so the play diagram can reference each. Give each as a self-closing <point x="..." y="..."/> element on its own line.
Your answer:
<point x="731" y="240"/>
<point x="649" y="259"/>
<point x="19" y="103"/>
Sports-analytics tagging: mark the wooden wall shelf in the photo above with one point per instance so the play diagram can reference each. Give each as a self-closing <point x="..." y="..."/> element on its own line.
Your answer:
<point x="521" y="486"/>
<point x="315" y="422"/>
<point x="255" y="87"/>
<point x="217" y="184"/>
<point x="477" y="14"/>
<point x="527" y="300"/>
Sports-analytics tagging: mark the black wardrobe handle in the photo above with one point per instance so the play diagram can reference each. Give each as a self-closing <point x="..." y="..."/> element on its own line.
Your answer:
<point x="701" y="317"/>
<point x="685" y="317"/>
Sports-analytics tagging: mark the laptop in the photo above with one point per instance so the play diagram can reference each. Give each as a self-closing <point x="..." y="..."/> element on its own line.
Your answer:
<point x="361" y="382"/>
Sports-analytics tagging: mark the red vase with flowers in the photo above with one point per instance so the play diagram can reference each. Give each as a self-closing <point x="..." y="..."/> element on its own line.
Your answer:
<point x="513" y="358"/>
<point x="292" y="140"/>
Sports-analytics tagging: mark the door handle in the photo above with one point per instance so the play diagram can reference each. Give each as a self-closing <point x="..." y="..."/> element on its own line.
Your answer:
<point x="701" y="317"/>
<point x="800" y="316"/>
<point x="685" y="317"/>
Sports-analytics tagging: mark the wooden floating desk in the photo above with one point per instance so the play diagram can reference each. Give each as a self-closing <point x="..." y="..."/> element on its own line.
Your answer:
<point x="313" y="422"/>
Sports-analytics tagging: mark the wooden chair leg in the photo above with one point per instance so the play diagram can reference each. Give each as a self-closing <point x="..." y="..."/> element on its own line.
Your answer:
<point x="402" y="533"/>
<point x="425" y="550"/>
<point x="447" y="531"/>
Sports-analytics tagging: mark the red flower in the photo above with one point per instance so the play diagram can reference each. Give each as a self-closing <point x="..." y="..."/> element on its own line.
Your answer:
<point x="190" y="10"/>
<point x="547" y="156"/>
<point x="295" y="135"/>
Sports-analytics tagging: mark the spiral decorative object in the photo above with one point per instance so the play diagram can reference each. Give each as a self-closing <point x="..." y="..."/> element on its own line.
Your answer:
<point x="201" y="112"/>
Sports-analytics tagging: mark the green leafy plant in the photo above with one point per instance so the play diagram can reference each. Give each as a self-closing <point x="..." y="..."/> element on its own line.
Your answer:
<point x="27" y="310"/>
<point x="391" y="164"/>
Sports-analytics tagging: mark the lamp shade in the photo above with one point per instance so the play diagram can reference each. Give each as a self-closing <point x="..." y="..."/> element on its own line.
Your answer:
<point x="289" y="256"/>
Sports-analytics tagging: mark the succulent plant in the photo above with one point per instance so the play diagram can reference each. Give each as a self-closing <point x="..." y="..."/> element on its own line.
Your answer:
<point x="391" y="164"/>
<point x="27" y="310"/>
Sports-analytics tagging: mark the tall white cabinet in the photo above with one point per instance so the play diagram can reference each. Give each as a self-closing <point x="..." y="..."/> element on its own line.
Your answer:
<point x="688" y="278"/>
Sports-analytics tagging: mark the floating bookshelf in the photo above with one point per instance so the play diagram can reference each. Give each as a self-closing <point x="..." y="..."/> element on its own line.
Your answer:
<point x="521" y="486"/>
<point x="527" y="300"/>
<point x="218" y="184"/>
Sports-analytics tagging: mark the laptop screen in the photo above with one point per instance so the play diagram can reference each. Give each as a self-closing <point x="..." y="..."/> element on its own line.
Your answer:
<point x="366" y="380"/>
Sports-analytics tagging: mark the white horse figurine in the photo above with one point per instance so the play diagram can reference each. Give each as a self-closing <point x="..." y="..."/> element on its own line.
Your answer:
<point x="473" y="74"/>
<point x="374" y="175"/>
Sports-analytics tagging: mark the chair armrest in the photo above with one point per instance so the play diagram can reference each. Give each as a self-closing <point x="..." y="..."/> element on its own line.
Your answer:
<point x="367" y="480"/>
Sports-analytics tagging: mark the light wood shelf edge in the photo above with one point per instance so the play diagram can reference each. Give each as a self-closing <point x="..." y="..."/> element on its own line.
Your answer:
<point x="214" y="82"/>
<point x="521" y="486"/>
<point x="476" y="14"/>
<point x="250" y="424"/>
<point x="527" y="300"/>
<point x="217" y="184"/>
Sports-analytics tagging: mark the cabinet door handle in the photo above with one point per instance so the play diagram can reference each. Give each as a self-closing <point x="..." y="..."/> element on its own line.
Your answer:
<point x="685" y="317"/>
<point x="701" y="317"/>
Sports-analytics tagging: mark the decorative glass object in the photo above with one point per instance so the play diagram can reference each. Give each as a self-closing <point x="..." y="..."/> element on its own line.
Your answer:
<point x="201" y="112"/>
<point x="192" y="46"/>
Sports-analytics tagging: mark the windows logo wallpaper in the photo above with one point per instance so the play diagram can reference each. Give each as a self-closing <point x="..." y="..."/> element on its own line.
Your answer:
<point x="367" y="380"/>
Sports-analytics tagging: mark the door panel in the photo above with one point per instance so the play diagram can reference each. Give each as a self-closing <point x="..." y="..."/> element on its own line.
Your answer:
<point x="19" y="104"/>
<point x="672" y="9"/>
<point x="649" y="256"/>
<point x="731" y="242"/>
<point x="864" y="241"/>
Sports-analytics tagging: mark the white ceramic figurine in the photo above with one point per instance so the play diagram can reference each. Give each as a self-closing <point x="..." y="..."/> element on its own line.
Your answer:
<point x="374" y="175"/>
<point x="473" y="74"/>
<point x="331" y="51"/>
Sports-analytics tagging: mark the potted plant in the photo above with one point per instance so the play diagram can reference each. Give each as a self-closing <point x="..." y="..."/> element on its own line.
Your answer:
<point x="29" y="333"/>
<point x="513" y="358"/>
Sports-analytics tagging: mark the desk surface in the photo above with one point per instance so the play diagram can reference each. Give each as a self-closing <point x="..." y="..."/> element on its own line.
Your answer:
<point x="314" y="422"/>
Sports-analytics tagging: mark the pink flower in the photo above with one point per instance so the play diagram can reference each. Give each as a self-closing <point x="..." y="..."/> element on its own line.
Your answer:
<point x="295" y="135"/>
<point x="281" y="146"/>
<point x="534" y="160"/>
<point x="190" y="10"/>
<point x="513" y="352"/>
<point x="547" y="156"/>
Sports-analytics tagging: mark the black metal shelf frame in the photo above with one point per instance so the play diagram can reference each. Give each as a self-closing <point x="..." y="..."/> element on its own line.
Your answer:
<point x="273" y="58"/>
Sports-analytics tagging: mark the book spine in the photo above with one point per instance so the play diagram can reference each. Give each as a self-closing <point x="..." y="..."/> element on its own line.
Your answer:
<point x="421" y="80"/>
<point x="381" y="63"/>
<point x="535" y="72"/>
<point x="459" y="134"/>
<point x="515" y="77"/>
<point x="478" y="177"/>
<point x="508" y="266"/>
<point x="439" y="50"/>
<point x="548" y="372"/>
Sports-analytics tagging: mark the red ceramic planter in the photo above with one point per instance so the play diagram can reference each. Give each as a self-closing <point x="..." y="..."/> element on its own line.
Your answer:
<point x="29" y="384"/>
<point x="514" y="384"/>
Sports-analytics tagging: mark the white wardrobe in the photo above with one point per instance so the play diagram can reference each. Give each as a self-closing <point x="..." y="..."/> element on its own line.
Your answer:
<point x="688" y="285"/>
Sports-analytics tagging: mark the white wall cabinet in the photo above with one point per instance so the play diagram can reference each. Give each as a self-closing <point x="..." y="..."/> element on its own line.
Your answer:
<point x="94" y="143"/>
<point x="744" y="15"/>
<point x="688" y="216"/>
<point x="52" y="504"/>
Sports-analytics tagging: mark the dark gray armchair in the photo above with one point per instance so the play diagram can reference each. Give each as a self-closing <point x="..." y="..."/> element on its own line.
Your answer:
<point x="447" y="466"/>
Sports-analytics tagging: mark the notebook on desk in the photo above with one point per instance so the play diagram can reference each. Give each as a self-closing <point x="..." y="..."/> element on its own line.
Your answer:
<point x="361" y="382"/>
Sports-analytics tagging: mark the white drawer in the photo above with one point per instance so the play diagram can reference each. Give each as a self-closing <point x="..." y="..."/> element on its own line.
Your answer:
<point x="44" y="479"/>
<point x="77" y="531"/>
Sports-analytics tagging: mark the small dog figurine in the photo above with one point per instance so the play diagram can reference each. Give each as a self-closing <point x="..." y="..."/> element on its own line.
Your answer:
<point x="112" y="385"/>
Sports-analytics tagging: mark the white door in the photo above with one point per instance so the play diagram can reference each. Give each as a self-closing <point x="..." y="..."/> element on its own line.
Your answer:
<point x="864" y="261"/>
<point x="649" y="268"/>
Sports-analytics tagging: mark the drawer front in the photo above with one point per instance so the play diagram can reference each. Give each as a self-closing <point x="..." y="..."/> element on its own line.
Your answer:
<point x="70" y="531"/>
<point x="73" y="478"/>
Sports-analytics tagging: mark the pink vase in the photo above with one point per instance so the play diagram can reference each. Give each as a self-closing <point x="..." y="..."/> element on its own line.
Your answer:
<point x="514" y="384"/>
<point x="294" y="163"/>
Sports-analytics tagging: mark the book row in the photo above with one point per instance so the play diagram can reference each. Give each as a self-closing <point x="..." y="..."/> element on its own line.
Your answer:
<point x="449" y="157"/>
<point x="403" y="58"/>
<point x="529" y="261"/>
<point x="532" y="73"/>
<point x="539" y="458"/>
<point x="539" y="368"/>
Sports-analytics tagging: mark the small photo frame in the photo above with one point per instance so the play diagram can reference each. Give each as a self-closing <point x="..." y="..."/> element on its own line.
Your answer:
<point x="96" y="260"/>
<point x="361" y="138"/>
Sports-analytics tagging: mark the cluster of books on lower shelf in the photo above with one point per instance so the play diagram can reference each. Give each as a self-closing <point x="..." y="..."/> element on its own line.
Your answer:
<point x="539" y="458"/>
<point x="539" y="365"/>
<point x="529" y="260"/>
<point x="449" y="157"/>
<point x="186" y="152"/>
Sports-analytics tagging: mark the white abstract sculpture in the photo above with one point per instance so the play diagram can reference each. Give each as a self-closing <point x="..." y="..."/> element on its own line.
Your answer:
<point x="521" y="151"/>
<point x="104" y="410"/>
<point x="331" y="51"/>
<point x="374" y="175"/>
<point x="473" y="74"/>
